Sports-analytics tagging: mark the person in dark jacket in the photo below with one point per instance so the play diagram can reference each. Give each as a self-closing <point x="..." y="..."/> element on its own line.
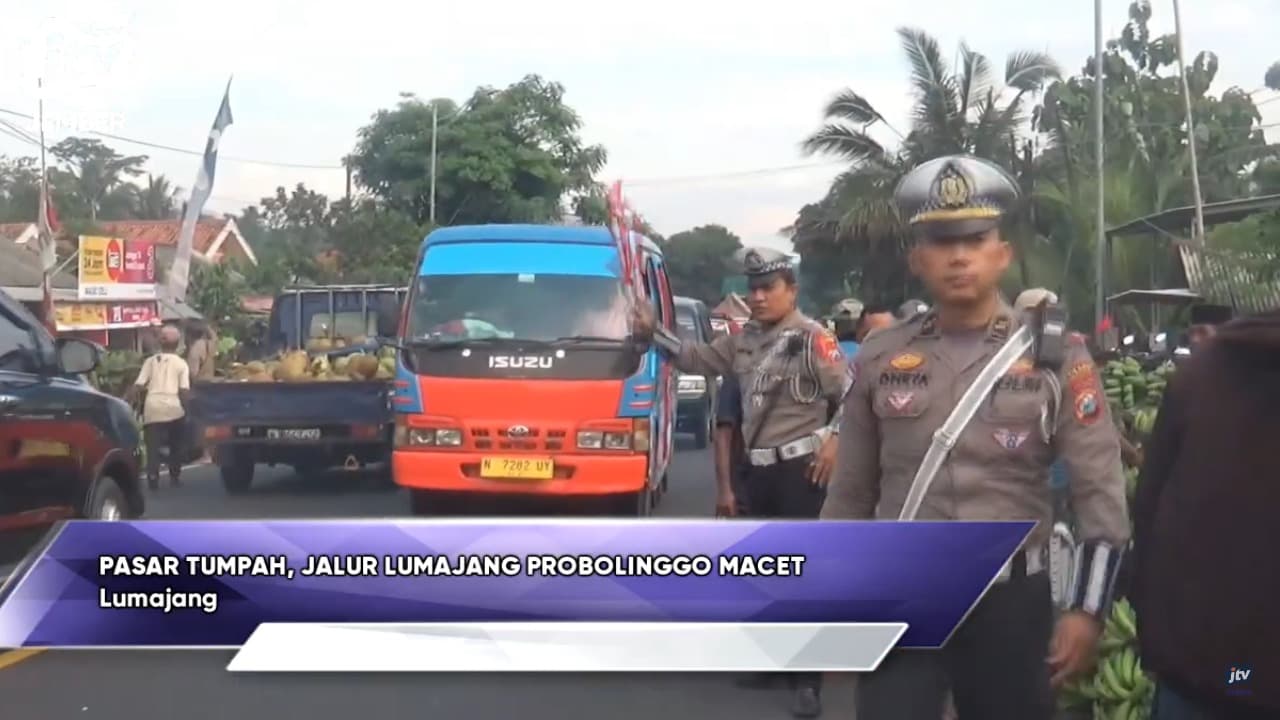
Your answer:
<point x="1204" y="583"/>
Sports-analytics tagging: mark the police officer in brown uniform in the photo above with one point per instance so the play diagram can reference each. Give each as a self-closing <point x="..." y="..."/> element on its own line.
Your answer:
<point x="909" y="379"/>
<point x="792" y="378"/>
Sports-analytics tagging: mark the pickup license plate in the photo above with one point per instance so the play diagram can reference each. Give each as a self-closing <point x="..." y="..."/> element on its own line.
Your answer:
<point x="517" y="468"/>
<point x="293" y="433"/>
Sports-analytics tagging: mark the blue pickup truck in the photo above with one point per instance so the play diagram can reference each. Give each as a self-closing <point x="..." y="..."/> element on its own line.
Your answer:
<point x="310" y="425"/>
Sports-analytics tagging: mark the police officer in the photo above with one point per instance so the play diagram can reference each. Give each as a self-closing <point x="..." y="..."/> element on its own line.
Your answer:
<point x="792" y="377"/>
<point x="1003" y="659"/>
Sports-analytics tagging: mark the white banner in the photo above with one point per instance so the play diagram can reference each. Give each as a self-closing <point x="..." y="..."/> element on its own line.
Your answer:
<point x="567" y="647"/>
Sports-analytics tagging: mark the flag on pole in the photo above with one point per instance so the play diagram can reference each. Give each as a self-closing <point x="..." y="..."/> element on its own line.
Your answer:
<point x="47" y="227"/>
<point x="180" y="272"/>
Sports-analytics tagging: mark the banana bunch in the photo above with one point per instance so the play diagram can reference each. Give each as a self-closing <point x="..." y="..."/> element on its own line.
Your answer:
<point x="1122" y="687"/>
<point x="1128" y="386"/>
<point x="1144" y="419"/>
<point x="1119" y="634"/>
<point x="1121" y="628"/>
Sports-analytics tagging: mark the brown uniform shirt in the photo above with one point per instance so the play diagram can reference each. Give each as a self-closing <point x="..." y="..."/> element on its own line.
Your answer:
<point x="797" y="358"/>
<point x="907" y="380"/>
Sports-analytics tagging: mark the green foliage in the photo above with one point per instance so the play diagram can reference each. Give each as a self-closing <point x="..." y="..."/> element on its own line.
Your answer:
<point x="509" y="155"/>
<point x="857" y="238"/>
<point x="698" y="261"/>
<point x="215" y="291"/>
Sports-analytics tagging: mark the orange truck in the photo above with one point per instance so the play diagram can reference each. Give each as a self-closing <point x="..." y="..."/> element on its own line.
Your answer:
<point x="516" y="374"/>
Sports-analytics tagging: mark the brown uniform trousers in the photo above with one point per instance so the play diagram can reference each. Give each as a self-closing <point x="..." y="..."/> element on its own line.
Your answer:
<point x="904" y="388"/>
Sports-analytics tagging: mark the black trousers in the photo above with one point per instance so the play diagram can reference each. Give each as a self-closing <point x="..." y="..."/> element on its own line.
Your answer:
<point x="783" y="490"/>
<point x="168" y="436"/>
<point x="994" y="664"/>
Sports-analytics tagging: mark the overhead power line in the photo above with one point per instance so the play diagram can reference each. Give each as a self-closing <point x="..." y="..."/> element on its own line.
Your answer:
<point x="18" y="133"/>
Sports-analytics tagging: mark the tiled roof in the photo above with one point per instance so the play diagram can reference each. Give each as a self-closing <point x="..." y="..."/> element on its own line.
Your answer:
<point x="20" y="267"/>
<point x="13" y="231"/>
<point x="164" y="232"/>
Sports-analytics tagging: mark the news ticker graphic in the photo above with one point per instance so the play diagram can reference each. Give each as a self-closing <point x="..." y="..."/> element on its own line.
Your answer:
<point x="509" y="594"/>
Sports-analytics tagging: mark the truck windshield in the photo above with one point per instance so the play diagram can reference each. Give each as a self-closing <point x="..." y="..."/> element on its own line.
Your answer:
<point x="352" y="318"/>
<point x="539" y="307"/>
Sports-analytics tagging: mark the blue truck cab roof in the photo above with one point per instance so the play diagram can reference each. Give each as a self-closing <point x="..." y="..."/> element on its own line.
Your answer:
<point x="564" y="249"/>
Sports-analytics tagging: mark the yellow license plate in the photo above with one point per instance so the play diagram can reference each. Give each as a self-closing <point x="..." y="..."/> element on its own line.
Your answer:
<point x="517" y="468"/>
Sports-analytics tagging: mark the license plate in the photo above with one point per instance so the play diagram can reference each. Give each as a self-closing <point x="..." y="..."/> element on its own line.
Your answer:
<point x="293" y="433"/>
<point x="517" y="468"/>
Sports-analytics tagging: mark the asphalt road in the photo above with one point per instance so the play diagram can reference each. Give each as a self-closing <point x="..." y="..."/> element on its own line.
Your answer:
<point x="194" y="685"/>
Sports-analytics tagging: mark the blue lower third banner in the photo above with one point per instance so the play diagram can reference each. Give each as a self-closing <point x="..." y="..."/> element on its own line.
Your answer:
<point x="573" y="595"/>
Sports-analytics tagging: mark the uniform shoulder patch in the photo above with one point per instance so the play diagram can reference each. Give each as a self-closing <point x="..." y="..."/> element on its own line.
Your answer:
<point x="1081" y="377"/>
<point x="1088" y="407"/>
<point x="825" y="346"/>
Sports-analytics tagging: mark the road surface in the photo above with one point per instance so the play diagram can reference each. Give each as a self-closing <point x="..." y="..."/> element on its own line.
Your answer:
<point x="194" y="685"/>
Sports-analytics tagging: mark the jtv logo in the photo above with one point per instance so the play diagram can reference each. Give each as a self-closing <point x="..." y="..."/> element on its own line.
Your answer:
<point x="1236" y="675"/>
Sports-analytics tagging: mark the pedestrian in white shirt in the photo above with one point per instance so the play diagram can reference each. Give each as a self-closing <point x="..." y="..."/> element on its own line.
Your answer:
<point x="165" y="383"/>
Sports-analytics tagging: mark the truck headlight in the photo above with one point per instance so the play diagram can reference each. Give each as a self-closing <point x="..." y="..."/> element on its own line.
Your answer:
<point x="427" y="437"/>
<point x="600" y="440"/>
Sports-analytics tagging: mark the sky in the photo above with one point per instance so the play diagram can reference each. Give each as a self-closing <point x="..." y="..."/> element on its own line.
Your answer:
<point x="701" y="105"/>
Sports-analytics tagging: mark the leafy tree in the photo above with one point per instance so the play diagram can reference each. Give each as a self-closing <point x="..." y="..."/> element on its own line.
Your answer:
<point x="509" y="155"/>
<point x="157" y="200"/>
<point x="698" y="260"/>
<point x="955" y="110"/>
<point x="215" y="291"/>
<point x="19" y="189"/>
<point x="1147" y="162"/>
<point x="97" y="174"/>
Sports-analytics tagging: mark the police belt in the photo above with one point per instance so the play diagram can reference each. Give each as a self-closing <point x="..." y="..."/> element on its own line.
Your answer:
<point x="764" y="457"/>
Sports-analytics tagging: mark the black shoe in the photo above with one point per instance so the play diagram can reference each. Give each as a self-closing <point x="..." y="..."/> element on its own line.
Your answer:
<point x="806" y="702"/>
<point x="175" y="480"/>
<point x="756" y="681"/>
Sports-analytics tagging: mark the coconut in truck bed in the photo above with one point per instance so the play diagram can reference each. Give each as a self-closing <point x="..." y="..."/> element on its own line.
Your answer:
<point x="317" y="397"/>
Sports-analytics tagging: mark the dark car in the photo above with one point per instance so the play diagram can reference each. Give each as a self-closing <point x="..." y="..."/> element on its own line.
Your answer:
<point x="67" y="450"/>
<point x="696" y="397"/>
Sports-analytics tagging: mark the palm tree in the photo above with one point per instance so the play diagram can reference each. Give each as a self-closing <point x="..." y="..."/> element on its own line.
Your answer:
<point x="158" y="200"/>
<point x="955" y="111"/>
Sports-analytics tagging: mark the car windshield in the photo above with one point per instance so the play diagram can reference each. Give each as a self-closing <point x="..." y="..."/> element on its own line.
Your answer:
<point x="539" y="307"/>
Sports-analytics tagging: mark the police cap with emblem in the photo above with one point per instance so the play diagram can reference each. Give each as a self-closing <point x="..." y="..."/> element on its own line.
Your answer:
<point x="762" y="265"/>
<point x="955" y="196"/>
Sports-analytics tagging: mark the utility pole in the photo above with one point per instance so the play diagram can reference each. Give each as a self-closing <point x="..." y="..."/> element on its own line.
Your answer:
<point x="1099" y="145"/>
<point x="1197" y="232"/>
<point x="435" y="126"/>
<point x="346" y="161"/>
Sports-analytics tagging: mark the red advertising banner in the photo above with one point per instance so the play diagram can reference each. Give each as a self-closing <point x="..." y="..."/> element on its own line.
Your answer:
<point x="115" y="269"/>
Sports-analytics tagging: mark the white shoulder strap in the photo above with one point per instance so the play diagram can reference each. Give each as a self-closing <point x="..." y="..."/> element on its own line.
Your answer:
<point x="946" y="436"/>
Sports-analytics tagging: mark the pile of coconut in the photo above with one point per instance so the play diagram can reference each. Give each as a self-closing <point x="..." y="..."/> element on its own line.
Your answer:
<point x="298" y="366"/>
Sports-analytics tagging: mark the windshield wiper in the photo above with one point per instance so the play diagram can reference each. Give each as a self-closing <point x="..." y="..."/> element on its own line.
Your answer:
<point x="578" y="339"/>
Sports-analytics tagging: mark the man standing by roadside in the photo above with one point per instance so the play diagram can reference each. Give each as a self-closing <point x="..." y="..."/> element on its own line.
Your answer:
<point x="1204" y="525"/>
<point x="908" y="380"/>
<point x="730" y="454"/>
<point x="792" y="377"/>
<point x="200" y="350"/>
<point x="165" y="383"/>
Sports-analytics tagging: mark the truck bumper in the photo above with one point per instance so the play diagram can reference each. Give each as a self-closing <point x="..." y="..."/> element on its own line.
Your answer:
<point x="320" y="454"/>
<point x="574" y="474"/>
